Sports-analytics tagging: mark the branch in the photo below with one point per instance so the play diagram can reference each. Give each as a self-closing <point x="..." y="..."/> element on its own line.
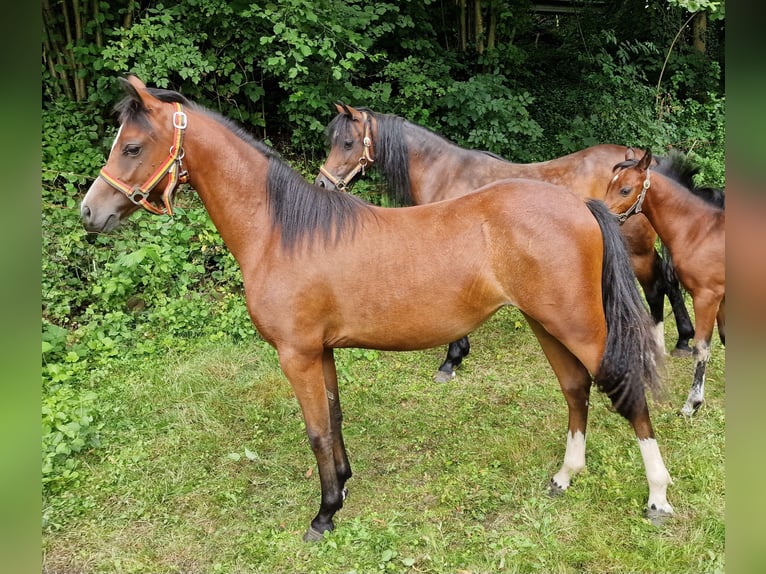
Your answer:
<point x="665" y="63"/>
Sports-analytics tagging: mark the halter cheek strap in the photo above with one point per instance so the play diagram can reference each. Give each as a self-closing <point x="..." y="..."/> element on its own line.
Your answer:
<point x="172" y="167"/>
<point x="636" y="207"/>
<point x="341" y="183"/>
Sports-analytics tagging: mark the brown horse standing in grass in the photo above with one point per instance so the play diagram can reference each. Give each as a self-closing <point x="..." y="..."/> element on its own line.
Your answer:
<point x="693" y="230"/>
<point x="422" y="167"/>
<point x="324" y="270"/>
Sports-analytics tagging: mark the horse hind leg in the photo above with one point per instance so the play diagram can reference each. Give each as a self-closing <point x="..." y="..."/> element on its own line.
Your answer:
<point x="456" y="352"/>
<point x="705" y="311"/>
<point x="575" y="382"/>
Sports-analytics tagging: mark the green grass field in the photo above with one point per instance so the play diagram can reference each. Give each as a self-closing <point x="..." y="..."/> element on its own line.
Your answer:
<point x="204" y="467"/>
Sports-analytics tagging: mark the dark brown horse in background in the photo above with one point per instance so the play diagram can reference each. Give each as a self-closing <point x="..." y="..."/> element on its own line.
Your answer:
<point x="324" y="270"/>
<point x="422" y="167"/>
<point x="693" y="230"/>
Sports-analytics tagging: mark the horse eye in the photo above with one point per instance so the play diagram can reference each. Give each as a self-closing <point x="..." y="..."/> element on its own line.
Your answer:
<point x="132" y="150"/>
<point x="625" y="191"/>
<point x="348" y="144"/>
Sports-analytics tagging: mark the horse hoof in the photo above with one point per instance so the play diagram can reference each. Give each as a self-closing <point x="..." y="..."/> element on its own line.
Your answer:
<point x="657" y="517"/>
<point x="681" y="352"/>
<point x="690" y="409"/>
<point x="443" y="376"/>
<point x="313" y="535"/>
<point x="554" y="489"/>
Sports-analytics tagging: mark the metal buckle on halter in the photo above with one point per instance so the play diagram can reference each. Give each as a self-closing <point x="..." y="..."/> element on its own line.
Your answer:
<point x="179" y="120"/>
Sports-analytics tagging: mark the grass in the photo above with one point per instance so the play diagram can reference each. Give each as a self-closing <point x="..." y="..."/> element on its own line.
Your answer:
<point x="204" y="467"/>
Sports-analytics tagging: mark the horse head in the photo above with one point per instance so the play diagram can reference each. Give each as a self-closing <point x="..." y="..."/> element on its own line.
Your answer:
<point x="139" y="161"/>
<point x="350" y="136"/>
<point x="627" y="189"/>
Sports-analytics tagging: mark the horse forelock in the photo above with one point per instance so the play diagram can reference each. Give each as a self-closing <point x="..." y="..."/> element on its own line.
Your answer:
<point x="132" y="109"/>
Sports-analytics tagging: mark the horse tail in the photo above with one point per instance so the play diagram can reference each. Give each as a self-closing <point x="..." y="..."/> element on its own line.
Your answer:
<point x="632" y="356"/>
<point x="667" y="267"/>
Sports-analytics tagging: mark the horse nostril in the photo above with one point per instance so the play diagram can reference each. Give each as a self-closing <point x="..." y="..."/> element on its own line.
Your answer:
<point x="85" y="212"/>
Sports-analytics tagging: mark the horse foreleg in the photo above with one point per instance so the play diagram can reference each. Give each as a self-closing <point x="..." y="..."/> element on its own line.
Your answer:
<point x="342" y="465"/>
<point x="306" y="375"/>
<point x="456" y="352"/>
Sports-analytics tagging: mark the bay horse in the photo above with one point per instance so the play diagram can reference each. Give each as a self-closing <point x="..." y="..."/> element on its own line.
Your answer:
<point x="693" y="230"/>
<point x="422" y="167"/>
<point x="325" y="270"/>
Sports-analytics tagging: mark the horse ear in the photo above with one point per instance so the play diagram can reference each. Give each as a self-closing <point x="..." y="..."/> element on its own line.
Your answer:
<point x="354" y="113"/>
<point x="630" y="155"/>
<point x="341" y="107"/>
<point x="646" y="161"/>
<point x="137" y="90"/>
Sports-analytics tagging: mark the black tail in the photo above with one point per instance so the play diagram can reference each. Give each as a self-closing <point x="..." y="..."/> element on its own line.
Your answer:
<point x="667" y="267"/>
<point x="632" y="358"/>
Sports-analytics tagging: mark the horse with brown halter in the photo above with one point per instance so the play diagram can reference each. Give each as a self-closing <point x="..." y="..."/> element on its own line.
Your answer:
<point x="423" y="167"/>
<point x="324" y="270"/>
<point x="693" y="229"/>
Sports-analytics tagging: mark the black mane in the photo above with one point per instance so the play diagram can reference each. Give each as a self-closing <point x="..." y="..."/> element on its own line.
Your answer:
<point x="300" y="210"/>
<point x="681" y="169"/>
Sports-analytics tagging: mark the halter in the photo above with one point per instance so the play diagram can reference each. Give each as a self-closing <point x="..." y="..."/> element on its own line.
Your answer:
<point x="636" y="207"/>
<point x="340" y="183"/>
<point x="172" y="167"/>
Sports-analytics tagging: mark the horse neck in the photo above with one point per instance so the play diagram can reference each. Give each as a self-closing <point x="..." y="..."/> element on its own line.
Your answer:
<point x="675" y="213"/>
<point x="440" y="169"/>
<point x="229" y="174"/>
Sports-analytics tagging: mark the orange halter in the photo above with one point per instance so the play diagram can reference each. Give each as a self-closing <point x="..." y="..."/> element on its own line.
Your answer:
<point x="172" y="167"/>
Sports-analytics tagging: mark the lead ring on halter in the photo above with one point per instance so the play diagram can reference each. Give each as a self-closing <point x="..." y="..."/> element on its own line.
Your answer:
<point x="172" y="167"/>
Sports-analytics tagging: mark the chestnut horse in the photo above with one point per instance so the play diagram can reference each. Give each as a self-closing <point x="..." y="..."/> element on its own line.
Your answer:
<point x="422" y="167"/>
<point x="693" y="230"/>
<point x="324" y="270"/>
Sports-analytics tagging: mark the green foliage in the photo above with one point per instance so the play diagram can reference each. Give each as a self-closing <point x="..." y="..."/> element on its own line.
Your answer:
<point x="484" y="113"/>
<point x="160" y="46"/>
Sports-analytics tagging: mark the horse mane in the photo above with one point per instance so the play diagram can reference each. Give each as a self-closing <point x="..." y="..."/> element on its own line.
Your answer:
<point x="681" y="168"/>
<point x="298" y="209"/>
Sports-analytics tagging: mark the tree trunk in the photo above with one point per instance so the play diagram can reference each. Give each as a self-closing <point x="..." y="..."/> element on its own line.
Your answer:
<point x="699" y="30"/>
<point x="463" y="29"/>
<point x="479" y="27"/>
<point x="492" y="26"/>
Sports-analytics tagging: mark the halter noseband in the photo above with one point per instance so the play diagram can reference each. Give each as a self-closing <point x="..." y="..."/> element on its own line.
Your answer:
<point x="636" y="207"/>
<point x="172" y="167"/>
<point x="340" y="183"/>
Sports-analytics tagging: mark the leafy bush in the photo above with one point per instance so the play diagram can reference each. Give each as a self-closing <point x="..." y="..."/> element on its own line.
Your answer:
<point x="484" y="113"/>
